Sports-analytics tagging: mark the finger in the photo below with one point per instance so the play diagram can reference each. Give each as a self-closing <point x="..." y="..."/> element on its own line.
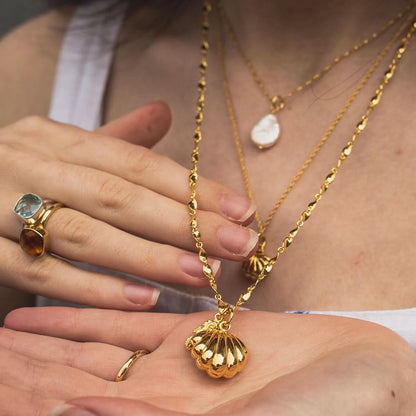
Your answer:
<point x="41" y="378"/>
<point x="122" y="329"/>
<point x="134" y="163"/>
<point x="144" y="126"/>
<point x="55" y="278"/>
<point x="16" y="402"/>
<point x="76" y="236"/>
<point x="99" y="359"/>
<point x="133" y="208"/>
<point x="104" y="406"/>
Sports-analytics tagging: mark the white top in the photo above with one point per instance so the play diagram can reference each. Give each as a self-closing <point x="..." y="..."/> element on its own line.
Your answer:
<point x="80" y="84"/>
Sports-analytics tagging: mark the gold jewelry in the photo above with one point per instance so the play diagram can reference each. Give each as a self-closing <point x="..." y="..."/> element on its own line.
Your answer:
<point x="29" y="207"/>
<point x="267" y="130"/>
<point x="215" y="350"/>
<point x="35" y="212"/>
<point x="126" y="366"/>
<point x="254" y="265"/>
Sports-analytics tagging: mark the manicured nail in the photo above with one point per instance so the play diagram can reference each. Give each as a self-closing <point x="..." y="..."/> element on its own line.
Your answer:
<point x="141" y="295"/>
<point x="238" y="239"/>
<point x="192" y="266"/>
<point x="69" y="410"/>
<point x="237" y="207"/>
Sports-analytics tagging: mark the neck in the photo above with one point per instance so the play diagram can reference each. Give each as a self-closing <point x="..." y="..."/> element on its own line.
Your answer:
<point x="318" y="31"/>
<point x="291" y="39"/>
<point x="284" y="21"/>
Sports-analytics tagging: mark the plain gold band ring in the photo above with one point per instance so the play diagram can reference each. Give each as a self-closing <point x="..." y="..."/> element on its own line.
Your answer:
<point x="126" y="366"/>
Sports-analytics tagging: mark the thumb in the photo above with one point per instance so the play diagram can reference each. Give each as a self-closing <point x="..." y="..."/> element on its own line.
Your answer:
<point x="104" y="406"/>
<point x="144" y="126"/>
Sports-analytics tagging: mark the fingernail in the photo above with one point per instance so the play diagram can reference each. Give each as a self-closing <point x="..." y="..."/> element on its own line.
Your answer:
<point x="237" y="207"/>
<point x="192" y="266"/>
<point x="237" y="239"/>
<point x="69" y="410"/>
<point x="141" y="295"/>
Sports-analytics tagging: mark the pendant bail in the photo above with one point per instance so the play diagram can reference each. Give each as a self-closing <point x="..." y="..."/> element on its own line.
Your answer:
<point x="262" y="244"/>
<point x="224" y="316"/>
<point x="278" y="103"/>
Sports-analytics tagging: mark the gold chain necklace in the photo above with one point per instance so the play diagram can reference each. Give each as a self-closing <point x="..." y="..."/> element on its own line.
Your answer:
<point x="214" y="348"/>
<point x="254" y="265"/>
<point x="266" y="131"/>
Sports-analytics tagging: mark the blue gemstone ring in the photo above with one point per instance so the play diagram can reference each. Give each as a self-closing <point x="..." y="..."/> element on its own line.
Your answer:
<point x="29" y="207"/>
<point x="35" y="212"/>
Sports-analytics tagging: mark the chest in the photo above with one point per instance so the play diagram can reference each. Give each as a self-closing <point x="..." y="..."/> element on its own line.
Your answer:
<point x="356" y="251"/>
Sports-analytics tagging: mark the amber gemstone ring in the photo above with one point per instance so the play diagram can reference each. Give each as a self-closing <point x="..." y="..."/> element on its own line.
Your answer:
<point x="35" y="212"/>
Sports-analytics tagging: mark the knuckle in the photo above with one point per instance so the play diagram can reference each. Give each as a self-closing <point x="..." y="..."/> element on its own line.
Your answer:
<point x="7" y="152"/>
<point x="140" y="160"/>
<point x="8" y="340"/>
<point x="116" y="325"/>
<point x="73" y="352"/>
<point x="73" y="319"/>
<point x="79" y="140"/>
<point x="148" y="259"/>
<point x="112" y="194"/>
<point x="19" y="161"/>
<point x="76" y="229"/>
<point x="34" y="369"/>
<point x="93" y="290"/>
<point x="25" y="129"/>
<point x="5" y="136"/>
<point x="31" y="123"/>
<point x="40" y="271"/>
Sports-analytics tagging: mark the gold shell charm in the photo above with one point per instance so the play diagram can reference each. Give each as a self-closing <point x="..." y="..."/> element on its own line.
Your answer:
<point x="216" y="351"/>
<point x="255" y="265"/>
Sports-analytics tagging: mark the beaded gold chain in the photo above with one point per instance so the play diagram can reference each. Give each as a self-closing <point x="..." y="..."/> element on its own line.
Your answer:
<point x="214" y="348"/>
<point x="253" y="266"/>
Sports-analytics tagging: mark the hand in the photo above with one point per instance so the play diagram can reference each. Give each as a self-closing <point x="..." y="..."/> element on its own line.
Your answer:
<point x="312" y="365"/>
<point x="125" y="209"/>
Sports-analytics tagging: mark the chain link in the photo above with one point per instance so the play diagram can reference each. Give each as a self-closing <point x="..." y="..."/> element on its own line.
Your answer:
<point x="224" y="308"/>
<point x="262" y="227"/>
<point x="278" y="101"/>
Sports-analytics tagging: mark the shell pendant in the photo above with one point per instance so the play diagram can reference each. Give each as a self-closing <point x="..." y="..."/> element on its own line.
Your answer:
<point x="258" y="264"/>
<point x="216" y="351"/>
<point x="265" y="132"/>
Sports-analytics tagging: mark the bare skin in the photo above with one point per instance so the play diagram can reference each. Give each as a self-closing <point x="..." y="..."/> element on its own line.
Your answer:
<point x="356" y="250"/>
<point x="342" y="359"/>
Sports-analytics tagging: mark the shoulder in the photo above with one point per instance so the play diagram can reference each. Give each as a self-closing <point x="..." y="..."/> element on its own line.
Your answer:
<point x="27" y="66"/>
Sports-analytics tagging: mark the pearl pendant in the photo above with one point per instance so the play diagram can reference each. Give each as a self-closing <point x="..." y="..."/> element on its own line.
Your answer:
<point x="265" y="132"/>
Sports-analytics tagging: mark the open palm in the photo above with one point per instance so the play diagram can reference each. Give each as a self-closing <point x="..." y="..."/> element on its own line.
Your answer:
<point x="298" y="365"/>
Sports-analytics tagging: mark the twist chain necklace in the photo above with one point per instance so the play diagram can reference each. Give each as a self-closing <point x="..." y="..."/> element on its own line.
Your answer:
<point x="266" y="131"/>
<point x="214" y="348"/>
<point x="254" y="265"/>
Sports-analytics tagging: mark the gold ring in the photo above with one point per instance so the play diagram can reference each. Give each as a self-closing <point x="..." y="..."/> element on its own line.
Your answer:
<point x="35" y="212"/>
<point x="126" y="366"/>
